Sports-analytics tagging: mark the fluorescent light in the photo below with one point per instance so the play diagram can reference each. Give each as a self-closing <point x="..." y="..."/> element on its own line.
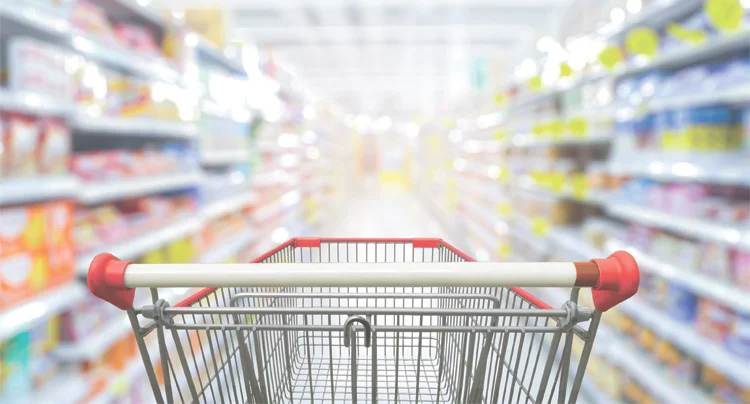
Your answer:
<point x="280" y="235"/>
<point x="382" y="124"/>
<point x="412" y="129"/>
<point x="309" y="137"/>
<point x="455" y="136"/>
<point x="288" y="140"/>
<point x="617" y="15"/>
<point x="633" y="6"/>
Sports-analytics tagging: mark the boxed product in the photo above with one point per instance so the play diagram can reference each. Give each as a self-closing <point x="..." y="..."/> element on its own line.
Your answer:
<point x="20" y="142"/>
<point x="714" y="320"/>
<point x="738" y="340"/>
<point x="681" y="365"/>
<point x="716" y="261"/>
<point x="721" y="389"/>
<point x="43" y="339"/>
<point x="40" y="67"/>
<point x="706" y="128"/>
<point x="54" y="149"/>
<point x="15" y="367"/>
<point x="22" y="275"/>
<point x="137" y="38"/>
<point x="741" y="268"/>
<point x="22" y="229"/>
<point x="91" y="20"/>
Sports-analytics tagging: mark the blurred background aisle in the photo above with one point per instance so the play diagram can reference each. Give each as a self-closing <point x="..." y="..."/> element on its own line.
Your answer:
<point x="171" y="131"/>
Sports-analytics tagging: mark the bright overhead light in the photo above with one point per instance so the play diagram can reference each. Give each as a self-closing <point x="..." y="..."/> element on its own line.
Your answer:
<point x="412" y="129"/>
<point x="633" y="6"/>
<point x="312" y="153"/>
<point x="545" y="43"/>
<point x="288" y="140"/>
<point x="617" y="15"/>
<point x="280" y="235"/>
<point x="309" y="112"/>
<point x="178" y="14"/>
<point x="455" y="135"/>
<point x="362" y="123"/>
<point x="382" y="124"/>
<point x="309" y="137"/>
<point x="526" y="69"/>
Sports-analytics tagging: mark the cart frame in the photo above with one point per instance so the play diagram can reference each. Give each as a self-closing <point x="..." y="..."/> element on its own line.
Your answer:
<point x="458" y="327"/>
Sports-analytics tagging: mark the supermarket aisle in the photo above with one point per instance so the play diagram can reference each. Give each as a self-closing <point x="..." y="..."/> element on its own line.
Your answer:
<point x="378" y="211"/>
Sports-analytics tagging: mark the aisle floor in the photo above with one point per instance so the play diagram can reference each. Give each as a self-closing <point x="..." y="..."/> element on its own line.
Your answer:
<point x="381" y="211"/>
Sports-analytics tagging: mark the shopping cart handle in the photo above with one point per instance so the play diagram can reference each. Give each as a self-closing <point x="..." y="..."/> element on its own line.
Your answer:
<point x="106" y="280"/>
<point x="619" y="278"/>
<point x="612" y="280"/>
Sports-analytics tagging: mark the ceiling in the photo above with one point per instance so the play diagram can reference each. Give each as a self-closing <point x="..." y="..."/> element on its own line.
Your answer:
<point x="393" y="57"/>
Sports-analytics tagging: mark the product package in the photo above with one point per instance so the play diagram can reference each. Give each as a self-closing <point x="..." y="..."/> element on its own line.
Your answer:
<point x="39" y="67"/>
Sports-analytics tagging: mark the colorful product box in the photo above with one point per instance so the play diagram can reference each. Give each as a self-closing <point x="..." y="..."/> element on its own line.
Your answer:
<point x="15" y="368"/>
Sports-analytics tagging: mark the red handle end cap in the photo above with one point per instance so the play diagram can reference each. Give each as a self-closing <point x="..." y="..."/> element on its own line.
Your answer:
<point x="619" y="279"/>
<point x="106" y="280"/>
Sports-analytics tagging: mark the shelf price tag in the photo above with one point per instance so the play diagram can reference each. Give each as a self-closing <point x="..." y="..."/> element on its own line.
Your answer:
<point x="501" y="99"/>
<point x="504" y="209"/>
<point x="610" y="57"/>
<point x="556" y="128"/>
<point x="725" y="15"/>
<point x="504" y="250"/>
<point x="642" y="41"/>
<point x="556" y="182"/>
<point x="580" y="185"/>
<point x="578" y="127"/>
<point x="539" y="226"/>
<point x="535" y="83"/>
<point x="692" y="36"/>
<point x="565" y="70"/>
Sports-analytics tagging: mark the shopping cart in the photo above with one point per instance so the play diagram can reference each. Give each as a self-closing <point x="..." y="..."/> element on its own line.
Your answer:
<point x="348" y="320"/>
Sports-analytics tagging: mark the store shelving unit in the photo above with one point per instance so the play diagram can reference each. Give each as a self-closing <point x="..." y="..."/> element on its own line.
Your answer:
<point x="143" y="243"/>
<point x="31" y="312"/>
<point x="97" y="192"/>
<point x="736" y="235"/>
<point x="39" y="188"/>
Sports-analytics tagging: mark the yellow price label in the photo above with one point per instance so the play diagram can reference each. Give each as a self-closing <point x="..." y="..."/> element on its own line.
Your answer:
<point x="120" y="386"/>
<point x="580" y="185"/>
<point x="535" y="83"/>
<point x="540" y="226"/>
<point x="692" y="36"/>
<point x="501" y="99"/>
<point x="642" y="41"/>
<point x="504" y="250"/>
<point x="539" y="129"/>
<point x="610" y="57"/>
<point x="504" y="175"/>
<point x="578" y="127"/>
<point x="725" y="15"/>
<point x="556" y="182"/>
<point x="504" y="209"/>
<point x="556" y="127"/>
<point x="565" y="70"/>
<point x="501" y="135"/>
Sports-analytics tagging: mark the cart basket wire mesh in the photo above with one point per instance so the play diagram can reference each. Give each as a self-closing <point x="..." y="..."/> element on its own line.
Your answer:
<point x="363" y="320"/>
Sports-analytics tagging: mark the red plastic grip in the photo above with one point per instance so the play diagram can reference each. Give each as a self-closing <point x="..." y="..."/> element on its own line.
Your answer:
<point x="619" y="278"/>
<point x="106" y="280"/>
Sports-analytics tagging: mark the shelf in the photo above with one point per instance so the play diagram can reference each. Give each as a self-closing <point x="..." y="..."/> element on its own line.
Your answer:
<point x="594" y="197"/>
<point x="63" y="389"/>
<point x="720" y="168"/>
<point x="648" y="373"/>
<point x="521" y="141"/>
<point x="227" y="248"/>
<point x="733" y="96"/>
<point x="570" y="240"/>
<point x="34" y="189"/>
<point x="141" y="127"/>
<point x="655" y="16"/>
<point x="95" y="345"/>
<point x="703" y="285"/>
<point x="32" y="103"/>
<point x="685" y="337"/>
<point x="224" y="157"/>
<point x="144" y="243"/>
<point x="688" y="55"/>
<point x="33" y="17"/>
<point x="229" y="205"/>
<point x="57" y="25"/>
<point x="32" y="312"/>
<point x="686" y="226"/>
<point x="98" y="192"/>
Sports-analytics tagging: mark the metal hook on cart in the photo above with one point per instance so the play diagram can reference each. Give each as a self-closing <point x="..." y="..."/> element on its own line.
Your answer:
<point x="348" y="328"/>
